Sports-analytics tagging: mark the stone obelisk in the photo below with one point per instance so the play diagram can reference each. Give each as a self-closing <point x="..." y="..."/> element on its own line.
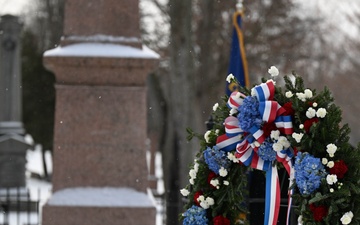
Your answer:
<point x="12" y="143"/>
<point x="100" y="174"/>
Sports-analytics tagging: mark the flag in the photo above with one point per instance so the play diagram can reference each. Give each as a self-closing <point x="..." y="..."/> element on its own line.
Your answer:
<point x="238" y="63"/>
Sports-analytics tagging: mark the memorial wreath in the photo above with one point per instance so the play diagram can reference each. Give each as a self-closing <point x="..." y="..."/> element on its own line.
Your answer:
<point x="267" y="128"/>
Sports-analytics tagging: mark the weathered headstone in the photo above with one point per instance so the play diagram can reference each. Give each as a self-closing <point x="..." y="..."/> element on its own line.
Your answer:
<point x="99" y="171"/>
<point x="12" y="144"/>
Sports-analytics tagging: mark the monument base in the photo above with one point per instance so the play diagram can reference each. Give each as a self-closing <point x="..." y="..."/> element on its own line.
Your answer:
<point x="98" y="206"/>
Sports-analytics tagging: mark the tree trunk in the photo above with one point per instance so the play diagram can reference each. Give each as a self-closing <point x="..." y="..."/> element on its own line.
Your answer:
<point x="181" y="103"/>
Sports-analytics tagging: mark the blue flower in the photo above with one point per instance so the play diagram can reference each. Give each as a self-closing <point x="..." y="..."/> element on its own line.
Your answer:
<point x="195" y="216"/>
<point x="308" y="172"/>
<point x="266" y="151"/>
<point x="249" y="114"/>
<point x="215" y="159"/>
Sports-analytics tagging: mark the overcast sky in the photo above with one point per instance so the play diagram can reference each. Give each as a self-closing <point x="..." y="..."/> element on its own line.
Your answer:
<point x="14" y="7"/>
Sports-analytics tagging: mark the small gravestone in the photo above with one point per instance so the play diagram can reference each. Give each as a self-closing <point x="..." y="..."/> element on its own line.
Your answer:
<point x="12" y="143"/>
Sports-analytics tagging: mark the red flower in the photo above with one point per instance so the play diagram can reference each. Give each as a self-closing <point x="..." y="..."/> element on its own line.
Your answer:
<point x="289" y="110"/>
<point x="220" y="220"/>
<point x="267" y="128"/>
<point x="196" y="196"/>
<point x="211" y="176"/>
<point x="295" y="151"/>
<point x="319" y="212"/>
<point x="309" y="123"/>
<point x="340" y="168"/>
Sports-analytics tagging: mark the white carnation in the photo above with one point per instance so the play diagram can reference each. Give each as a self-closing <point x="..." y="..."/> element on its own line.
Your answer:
<point x="215" y="107"/>
<point x="214" y="182"/>
<point x="331" y="179"/>
<point x="308" y="93"/>
<point x="275" y="134"/>
<point x="201" y="198"/>
<point x="330" y="164"/>
<point x="273" y="71"/>
<point x="324" y="161"/>
<point x="310" y="113"/>
<point x="192" y="173"/>
<point x="284" y="142"/>
<point x="301" y="126"/>
<point x="223" y="172"/>
<point x="184" y="192"/>
<point x="297" y="136"/>
<point x="192" y="181"/>
<point x="230" y="77"/>
<point x="204" y="205"/>
<point x="315" y="104"/>
<point x="196" y="166"/>
<point x="232" y="158"/>
<point x="277" y="147"/>
<point x="321" y="113"/>
<point x="207" y="136"/>
<point x="289" y="94"/>
<point x="331" y="149"/>
<point x="347" y="217"/>
<point x="300" y="221"/>
<point x="301" y="96"/>
<point x="210" y="201"/>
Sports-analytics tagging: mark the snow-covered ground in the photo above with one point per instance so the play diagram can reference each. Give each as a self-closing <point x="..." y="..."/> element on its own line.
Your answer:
<point x="160" y="189"/>
<point x="39" y="191"/>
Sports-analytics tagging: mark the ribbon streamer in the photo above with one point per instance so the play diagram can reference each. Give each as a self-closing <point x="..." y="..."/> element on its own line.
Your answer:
<point x="224" y="143"/>
<point x="249" y="157"/>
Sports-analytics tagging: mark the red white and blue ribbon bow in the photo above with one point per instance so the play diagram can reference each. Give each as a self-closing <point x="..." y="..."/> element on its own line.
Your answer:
<point x="270" y="111"/>
<point x="247" y="143"/>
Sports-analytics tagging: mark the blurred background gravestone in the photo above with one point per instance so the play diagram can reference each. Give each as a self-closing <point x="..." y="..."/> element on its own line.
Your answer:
<point x="100" y="174"/>
<point x="12" y="143"/>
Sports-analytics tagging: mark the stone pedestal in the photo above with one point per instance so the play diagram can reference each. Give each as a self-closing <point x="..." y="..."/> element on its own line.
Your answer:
<point x="99" y="171"/>
<point x="100" y="125"/>
<point x="114" y="206"/>
<point x="12" y="160"/>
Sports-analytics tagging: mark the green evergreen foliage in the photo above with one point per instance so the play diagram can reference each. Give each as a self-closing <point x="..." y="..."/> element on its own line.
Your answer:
<point x="341" y="197"/>
<point x="38" y="93"/>
<point x="229" y="199"/>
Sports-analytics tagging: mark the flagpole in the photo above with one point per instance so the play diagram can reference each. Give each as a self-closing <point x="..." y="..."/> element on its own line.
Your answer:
<point x="239" y="13"/>
<point x="237" y="61"/>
